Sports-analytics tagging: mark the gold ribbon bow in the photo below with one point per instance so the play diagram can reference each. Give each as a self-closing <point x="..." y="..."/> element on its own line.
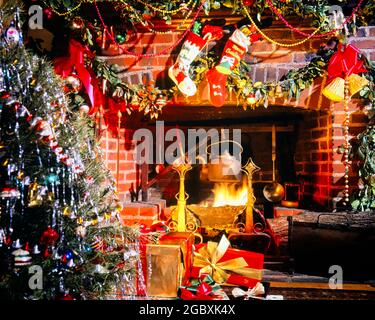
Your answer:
<point x="207" y="258"/>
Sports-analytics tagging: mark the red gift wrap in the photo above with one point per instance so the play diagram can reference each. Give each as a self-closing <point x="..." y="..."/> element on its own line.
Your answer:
<point x="228" y="265"/>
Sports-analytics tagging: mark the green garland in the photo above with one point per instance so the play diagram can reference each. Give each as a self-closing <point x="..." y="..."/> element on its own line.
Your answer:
<point x="138" y="12"/>
<point x="251" y="95"/>
<point x="142" y="97"/>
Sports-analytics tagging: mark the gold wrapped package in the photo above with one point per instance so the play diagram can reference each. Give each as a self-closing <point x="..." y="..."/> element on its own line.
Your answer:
<point x="163" y="275"/>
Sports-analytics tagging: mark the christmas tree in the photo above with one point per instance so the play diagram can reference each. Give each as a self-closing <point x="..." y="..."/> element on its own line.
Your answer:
<point x="60" y="235"/>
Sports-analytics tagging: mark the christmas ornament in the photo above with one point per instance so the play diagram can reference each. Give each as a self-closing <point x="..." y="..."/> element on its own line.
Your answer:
<point x="97" y="244"/>
<point x="12" y="35"/>
<point x="9" y="192"/>
<point x="84" y="108"/>
<point x="49" y="237"/>
<point x="120" y="39"/>
<point x="344" y="65"/>
<point x="65" y="296"/>
<point x="35" y="250"/>
<point x="248" y="2"/>
<point x="77" y="23"/>
<point x="48" y="12"/>
<point x="81" y="231"/>
<point x="72" y="83"/>
<point x="21" y="258"/>
<point x="251" y="99"/>
<point x="279" y="92"/>
<point x="134" y="103"/>
<point x="35" y="198"/>
<point x="356" y="83"/>
<point x="17" y="244"/>
<point x="335" y="90"/>
<point x="161" y="101"/>
<point x="118" y="94"/>
<point x="100" y="269"/>
<point x="68" y="255"/>
<point x="70" y="263"/>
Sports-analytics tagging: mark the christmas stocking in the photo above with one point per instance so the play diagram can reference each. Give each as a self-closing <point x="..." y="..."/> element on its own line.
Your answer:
<point x="179" y="72"/>
<point x="234" y="50"/>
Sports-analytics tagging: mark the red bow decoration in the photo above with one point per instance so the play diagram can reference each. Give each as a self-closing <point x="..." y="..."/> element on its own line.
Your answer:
<point x="64" y="67"/>
<point x="345" y="62"/>
<point x="203" y="292"/>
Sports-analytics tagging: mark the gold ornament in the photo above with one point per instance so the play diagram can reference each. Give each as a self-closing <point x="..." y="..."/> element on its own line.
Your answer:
<point x="279" y="92"/>
<point x="67" y="211"/>
<point x="134" y="103"/>
<point x="356" y="83"/>
<point x="35" y="198"/>
<point x="78" y="23"/>
<point x="72" y="83"/>
<point x="251" y="99"/>
<point x="21" y="175"/>
<point x="335" y="90"/>
<point x="81" y="231"/>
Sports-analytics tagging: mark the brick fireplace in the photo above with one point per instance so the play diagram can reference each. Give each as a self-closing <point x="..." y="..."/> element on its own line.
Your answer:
<point x="315" y="123"/>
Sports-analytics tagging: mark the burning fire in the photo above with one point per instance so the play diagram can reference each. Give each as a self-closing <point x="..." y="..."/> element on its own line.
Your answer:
<point x="230" y="194"/>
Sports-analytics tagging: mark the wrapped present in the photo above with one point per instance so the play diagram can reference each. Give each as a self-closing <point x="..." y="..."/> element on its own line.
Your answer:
<point x="205" y="289"/>
<point x="163" y="272"/>
<point x="186" y="241"/>
<point x="227" y="265"/>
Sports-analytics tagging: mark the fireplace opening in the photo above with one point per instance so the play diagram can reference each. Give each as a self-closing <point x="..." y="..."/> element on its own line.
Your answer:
<point x="302" y="159"/>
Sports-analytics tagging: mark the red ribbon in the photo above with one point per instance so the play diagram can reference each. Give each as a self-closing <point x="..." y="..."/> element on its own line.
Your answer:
<point x="345" y="62"/>
<point x="203" y="292"/>
<point x="64" y="67"/>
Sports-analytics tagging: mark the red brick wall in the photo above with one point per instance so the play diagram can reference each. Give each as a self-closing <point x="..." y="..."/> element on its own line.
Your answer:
<point x="316" y="156"/>
<point x="119" y="157"/>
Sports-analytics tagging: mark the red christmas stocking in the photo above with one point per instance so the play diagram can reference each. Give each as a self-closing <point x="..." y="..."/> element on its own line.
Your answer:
<point x="234" y="50"/>
<point x="179" y="72"/>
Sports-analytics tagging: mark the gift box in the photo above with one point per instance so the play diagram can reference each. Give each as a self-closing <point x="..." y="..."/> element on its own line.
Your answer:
<point x="186" y="241"/>
<point x="163" y="271"/>
<point x="227" y="265"/>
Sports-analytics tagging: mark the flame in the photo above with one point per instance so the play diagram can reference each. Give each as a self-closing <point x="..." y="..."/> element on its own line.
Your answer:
<point x="230" y="194"/>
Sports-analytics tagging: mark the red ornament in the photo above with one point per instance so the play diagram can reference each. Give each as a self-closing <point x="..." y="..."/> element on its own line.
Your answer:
<point x="8" y="240"/>
<point x="48" y="12"/>
<point x="65" y="296"/>
<point x="49" y="237"/>
<point x="46" y="253"/>
<point x="27" y="247"/>
<point x="249" y="2"/>
<point x="5" y="95"/>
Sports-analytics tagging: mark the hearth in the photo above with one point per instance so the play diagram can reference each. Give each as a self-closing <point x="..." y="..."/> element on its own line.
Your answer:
<point x="303" y="151"/>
